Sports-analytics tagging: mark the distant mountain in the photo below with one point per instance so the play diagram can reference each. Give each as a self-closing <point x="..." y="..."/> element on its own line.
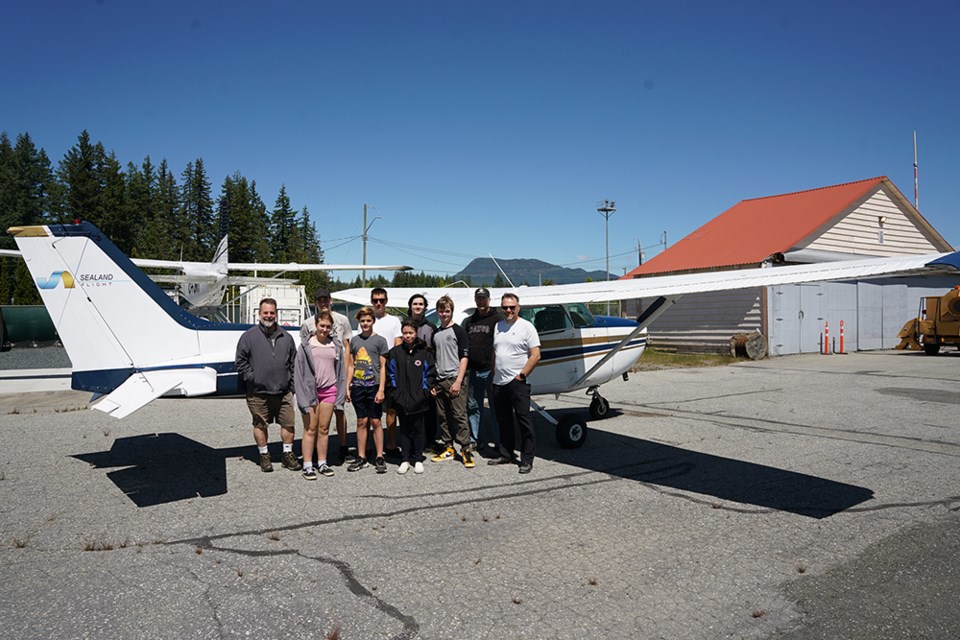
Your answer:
<point x="526" y="271"/>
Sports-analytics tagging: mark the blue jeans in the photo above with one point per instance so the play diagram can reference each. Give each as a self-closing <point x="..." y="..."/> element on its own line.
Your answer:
<point x="478" y="388"/>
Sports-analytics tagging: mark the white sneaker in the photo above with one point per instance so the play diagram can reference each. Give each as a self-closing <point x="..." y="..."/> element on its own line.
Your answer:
<point x="418" y="467"/>
<point x="403" y="468"/>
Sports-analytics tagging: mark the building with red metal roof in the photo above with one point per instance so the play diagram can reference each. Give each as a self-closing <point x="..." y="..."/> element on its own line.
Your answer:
<point x="863" y="218"/>
<point x="867" y="217"/>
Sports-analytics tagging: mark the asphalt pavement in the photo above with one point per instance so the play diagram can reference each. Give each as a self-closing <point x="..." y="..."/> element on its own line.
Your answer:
<point x="798" y="497"/>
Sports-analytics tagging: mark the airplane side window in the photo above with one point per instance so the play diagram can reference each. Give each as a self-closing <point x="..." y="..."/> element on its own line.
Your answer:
<point x="550" y="318"/>
<point x="580" y="315"/>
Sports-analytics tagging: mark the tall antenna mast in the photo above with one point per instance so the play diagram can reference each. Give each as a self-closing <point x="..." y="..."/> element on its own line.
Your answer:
<point x="916" y="177"/>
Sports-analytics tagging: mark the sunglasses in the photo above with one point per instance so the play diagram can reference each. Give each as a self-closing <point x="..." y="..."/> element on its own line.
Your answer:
<point x="379" y="301"/>
<point x="511" y="307"/>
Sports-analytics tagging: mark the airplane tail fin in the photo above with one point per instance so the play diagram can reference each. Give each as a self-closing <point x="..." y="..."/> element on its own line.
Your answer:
<point x="112" y="319"/>
<point x="220" y="255"/>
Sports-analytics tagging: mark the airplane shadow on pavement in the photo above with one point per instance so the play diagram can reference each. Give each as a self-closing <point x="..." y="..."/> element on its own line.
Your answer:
<point x="167" y="467"/>
<point x="704" y="474"/>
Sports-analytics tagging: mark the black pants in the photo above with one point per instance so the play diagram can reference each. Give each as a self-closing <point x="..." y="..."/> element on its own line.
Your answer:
<point x="509" y="400"/>
<point x="410" y="435"/>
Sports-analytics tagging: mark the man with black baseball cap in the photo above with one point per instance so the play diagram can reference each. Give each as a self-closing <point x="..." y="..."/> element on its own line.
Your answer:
<point x="479" y="327"/>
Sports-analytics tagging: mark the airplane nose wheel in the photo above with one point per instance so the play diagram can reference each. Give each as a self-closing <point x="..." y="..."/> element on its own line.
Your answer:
<point x="571" y="432"/>
<point x="599" y="407"/>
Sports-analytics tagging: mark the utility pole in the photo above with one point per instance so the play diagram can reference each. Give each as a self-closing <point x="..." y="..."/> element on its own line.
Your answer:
<point x="366" y="228"/>
<point x="606" y="209"/>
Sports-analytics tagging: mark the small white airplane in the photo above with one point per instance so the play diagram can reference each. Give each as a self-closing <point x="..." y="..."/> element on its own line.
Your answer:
<point x="202" y="284"/>
<point x="129" y="343"/>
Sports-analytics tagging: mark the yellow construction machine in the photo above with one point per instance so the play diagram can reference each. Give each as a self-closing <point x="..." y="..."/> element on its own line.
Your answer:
<point x="937" y="324"/>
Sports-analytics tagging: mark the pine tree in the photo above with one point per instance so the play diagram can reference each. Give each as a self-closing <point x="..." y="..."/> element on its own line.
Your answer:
<point x="77" y="174"/>
<point x="8" y="189"/>
<point x="283" y="229"/>
<point x="112" y="215"/>
<point x="198" y="213"/>
<point x="246" y="217"/>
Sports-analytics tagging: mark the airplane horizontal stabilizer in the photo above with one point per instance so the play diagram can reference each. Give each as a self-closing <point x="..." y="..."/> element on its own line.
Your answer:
<point x="145" y="386"/>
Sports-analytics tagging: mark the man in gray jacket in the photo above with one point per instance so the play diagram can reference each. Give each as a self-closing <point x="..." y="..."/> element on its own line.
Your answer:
<point x="265" y="359"/>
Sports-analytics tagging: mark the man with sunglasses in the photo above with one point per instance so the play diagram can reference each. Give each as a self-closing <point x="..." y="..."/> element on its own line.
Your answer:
<point x="387" y="326"/>
<point x="516" y="352"/>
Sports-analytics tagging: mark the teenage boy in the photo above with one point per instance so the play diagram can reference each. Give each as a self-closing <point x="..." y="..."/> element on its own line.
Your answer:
<point x="366" y="361"/>
<point x="387" y="326"/>
<point x="451" y="352"/>
<point x="341" y="331"/>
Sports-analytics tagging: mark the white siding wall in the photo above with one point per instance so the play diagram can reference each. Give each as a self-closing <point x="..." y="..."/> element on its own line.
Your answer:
<point x="858" y="231"/>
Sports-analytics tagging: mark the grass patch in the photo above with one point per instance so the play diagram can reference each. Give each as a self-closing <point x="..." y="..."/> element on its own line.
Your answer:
<point x="653" y="359"/>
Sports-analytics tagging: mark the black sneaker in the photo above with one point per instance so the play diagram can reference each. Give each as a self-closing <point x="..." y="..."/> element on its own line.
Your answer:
<point x="325" y="470"/>
<point x="265" y="465"/>
<point x="309" y="473"/>
<point x="290" y="461"/>
<point x="381" y="465"/>
<point x="502" y="460"/>
<point x="359" y="463"/>
<point x="526" y="468"/>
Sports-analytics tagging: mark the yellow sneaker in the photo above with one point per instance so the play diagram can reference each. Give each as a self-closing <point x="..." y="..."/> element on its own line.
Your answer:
<point x="468" y="459"/>
<point x="446" y="454"/>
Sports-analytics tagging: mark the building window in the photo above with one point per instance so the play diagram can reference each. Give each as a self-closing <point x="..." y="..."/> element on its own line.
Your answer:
<point x="880" y="221"/>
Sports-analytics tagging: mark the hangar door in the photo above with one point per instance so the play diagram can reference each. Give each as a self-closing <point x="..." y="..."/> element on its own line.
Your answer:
<point x="795" y="311"/>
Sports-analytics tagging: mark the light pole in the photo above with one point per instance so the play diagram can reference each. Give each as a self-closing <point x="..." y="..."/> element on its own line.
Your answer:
<point x="366" y="227"/>
<point x="606" y="209"/>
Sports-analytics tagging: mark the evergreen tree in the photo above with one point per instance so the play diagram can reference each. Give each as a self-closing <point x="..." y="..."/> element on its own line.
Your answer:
<point x="34" y="177"/>
<point x="308" y="251"/>
<point x="8" y="189"/>
<point x="140" y="203"/>
<point x="197" y="213"/>
<point x="246" y="218"/>
<point x="78" y="176"/>
<point x="157" y="239"/>
<point x="284" y="240"/>
<point x="112" y="215"/>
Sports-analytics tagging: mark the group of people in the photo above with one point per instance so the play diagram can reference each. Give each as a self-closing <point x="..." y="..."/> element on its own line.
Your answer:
<point x="409" y="382"/>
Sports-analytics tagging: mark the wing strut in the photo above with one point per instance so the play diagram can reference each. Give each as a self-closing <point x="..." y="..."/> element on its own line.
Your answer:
<point x="651" y="313"/>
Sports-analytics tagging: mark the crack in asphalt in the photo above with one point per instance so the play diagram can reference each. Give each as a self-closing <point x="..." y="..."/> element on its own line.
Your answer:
<point x="411" y="628"/>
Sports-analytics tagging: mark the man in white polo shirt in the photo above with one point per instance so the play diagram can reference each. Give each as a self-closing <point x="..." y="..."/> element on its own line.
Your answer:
<point x="516" y="352"/>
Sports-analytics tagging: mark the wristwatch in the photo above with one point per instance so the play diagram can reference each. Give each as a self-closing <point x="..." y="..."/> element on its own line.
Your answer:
<point x="522" y="377"/>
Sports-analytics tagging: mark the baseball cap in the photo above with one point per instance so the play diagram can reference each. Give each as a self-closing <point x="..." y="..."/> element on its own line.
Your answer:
<point x="482" y="292"/>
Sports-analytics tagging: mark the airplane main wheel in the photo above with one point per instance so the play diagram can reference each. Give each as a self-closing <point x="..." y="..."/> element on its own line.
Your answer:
<point x="599" y="408"/>
<point x="571" y="432"/>
<point x="931" y="348"/>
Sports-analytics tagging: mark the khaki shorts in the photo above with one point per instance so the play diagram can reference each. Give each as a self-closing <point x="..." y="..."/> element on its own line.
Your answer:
<point x="268" y="408"/>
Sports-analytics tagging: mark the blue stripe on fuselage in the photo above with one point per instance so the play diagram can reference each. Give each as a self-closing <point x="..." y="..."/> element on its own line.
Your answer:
<point x="106" y="380"/>
<point x="565" y="352"/>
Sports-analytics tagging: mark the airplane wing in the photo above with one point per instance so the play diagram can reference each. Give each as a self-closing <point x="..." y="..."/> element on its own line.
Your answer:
<point x="295" y="266"/>
<point x="678" y="285"/>
<point x="143" y="387"/>
<point x="182" y="265"/>
<point x="229" y="280"/>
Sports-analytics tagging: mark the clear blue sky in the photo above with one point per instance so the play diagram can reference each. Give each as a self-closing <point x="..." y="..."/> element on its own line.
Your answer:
<point x="496" y="127"/>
